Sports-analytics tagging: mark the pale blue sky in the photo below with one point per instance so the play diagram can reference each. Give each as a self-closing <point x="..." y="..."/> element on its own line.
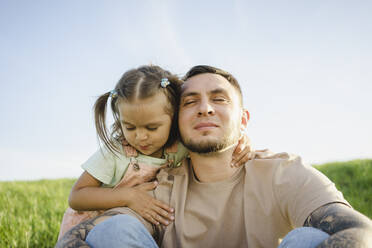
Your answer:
<point x="304" y="66"/>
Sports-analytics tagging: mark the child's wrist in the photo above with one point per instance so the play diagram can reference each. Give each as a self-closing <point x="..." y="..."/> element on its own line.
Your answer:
<point x="126" y="196"/>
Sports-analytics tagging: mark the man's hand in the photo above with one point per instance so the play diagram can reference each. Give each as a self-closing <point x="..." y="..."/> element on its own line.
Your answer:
<point x="347" y="227"/>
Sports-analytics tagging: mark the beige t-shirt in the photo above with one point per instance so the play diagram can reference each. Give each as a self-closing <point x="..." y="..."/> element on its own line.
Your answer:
<point x="224" y="213"/>
<point x="258" y="206"/>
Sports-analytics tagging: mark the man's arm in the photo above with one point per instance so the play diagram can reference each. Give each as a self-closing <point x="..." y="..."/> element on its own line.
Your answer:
<point x="76" y="236"/>
<point x="347" y="227"/>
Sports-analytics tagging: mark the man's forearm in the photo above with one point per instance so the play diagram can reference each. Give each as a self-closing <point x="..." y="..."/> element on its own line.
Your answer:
<point x="346" y="227"/>
<point x="76" y="236"/>
<point x="353" y="237"/>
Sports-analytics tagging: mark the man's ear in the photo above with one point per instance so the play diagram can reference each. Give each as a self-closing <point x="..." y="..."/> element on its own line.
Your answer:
<point x="245" y="118"/>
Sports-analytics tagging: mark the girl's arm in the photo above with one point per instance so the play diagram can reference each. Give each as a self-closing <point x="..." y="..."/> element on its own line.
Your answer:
<point x="243" y="151"/>
<point x="87" y="194"/>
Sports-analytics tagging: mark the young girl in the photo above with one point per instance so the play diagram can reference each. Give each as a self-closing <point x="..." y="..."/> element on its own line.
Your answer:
<point x="144" y="139"/>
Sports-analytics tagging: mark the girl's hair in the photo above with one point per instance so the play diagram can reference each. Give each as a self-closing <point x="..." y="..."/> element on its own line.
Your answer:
<point x="140" y="83"/>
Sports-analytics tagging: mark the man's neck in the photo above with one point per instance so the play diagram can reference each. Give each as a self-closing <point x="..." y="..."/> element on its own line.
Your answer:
<point x="213" y="167"/>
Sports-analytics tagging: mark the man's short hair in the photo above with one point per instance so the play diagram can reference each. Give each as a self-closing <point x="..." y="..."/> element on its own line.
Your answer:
<point x="200" y="69"/>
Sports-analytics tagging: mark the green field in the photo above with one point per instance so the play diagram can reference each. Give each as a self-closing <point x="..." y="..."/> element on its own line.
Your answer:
<point x="30" y="212"/>
<point x="354" y="179"/>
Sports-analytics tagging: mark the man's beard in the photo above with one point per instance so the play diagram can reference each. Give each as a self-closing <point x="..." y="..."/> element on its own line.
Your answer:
<point x="208" y="146"/>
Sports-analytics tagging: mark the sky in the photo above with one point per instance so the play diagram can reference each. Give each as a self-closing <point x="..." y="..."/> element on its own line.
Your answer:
<point x="304" y="68"/>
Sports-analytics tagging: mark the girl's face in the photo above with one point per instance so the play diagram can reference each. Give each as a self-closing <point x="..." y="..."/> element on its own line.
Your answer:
<point x="145" y="123"/>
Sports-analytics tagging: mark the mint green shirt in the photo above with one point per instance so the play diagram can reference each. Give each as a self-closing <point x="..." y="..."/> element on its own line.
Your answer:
<point x="110" y="169"/>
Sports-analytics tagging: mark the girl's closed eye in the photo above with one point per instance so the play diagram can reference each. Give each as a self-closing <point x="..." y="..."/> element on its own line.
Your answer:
<point x="152" y="128"/>
<point x="130" y="128"/>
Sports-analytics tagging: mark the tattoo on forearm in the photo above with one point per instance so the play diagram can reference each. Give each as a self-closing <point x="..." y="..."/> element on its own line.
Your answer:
<point x="76" y="236"/>
<point x="347" y="227"/>
<point x="348" y="238"/>
<point x="330" y="219"/>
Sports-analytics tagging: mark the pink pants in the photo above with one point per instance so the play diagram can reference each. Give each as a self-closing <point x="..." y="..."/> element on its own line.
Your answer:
<point x="72" y="217"/>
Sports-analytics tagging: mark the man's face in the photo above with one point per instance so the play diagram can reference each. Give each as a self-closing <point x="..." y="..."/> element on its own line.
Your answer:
<point x="210" y="113"/>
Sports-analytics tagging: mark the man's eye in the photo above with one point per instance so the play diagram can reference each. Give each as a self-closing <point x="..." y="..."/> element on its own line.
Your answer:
<point x="219" y="99"/>
<point x="188" y="102"/>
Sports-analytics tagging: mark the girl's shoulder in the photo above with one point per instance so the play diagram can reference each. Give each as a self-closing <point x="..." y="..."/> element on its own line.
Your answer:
<point x="125" y="149"/>
<point x="175" y="154"/>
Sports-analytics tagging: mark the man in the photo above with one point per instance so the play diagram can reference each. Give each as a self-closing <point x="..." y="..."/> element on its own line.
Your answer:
<point x="217" y="205"/>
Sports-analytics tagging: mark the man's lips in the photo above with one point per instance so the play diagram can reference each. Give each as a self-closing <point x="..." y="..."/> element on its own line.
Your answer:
<point x="205" y="126"/>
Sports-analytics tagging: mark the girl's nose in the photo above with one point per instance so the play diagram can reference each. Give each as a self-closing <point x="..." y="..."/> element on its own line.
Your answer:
<point x="141" y="135"/>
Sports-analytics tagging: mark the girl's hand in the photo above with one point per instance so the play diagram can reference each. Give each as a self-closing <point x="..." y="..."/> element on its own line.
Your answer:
<point x="243" y="152"/>
<point x="148" y="207"/>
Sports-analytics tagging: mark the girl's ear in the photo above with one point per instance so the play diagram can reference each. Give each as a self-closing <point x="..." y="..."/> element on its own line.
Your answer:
<point x="245" y="118"/>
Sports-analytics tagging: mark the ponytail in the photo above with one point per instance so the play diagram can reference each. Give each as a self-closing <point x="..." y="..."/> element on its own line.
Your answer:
<point x="140" y="83"/>
<point x="100" y="107"/>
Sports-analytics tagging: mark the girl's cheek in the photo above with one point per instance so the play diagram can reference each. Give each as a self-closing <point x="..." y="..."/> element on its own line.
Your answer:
<point x="128" y="136"/>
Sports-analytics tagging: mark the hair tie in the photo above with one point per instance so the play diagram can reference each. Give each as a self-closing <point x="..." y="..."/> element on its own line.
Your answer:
<point x="113" y="93"/>
<point x="164" y="82"/>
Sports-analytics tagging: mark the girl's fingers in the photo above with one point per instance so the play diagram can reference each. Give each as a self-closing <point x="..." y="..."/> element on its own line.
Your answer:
<point x="237" y="159"/>
<point x="155" y="218"/>
<point x="245" y="158"/>
<point x="163" y="213"/>
<point x="163" y="206"/>
<point x="240" y="147"/>
<point x="149" y="217"/>
<point x="160" y="219"/>
<point x="243" y="144"/>
<point x="241" y="158"/>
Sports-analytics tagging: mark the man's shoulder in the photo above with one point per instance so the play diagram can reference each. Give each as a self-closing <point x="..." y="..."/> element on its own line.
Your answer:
<point x="267" y="163"/>
<point x="281" y="168"/>
<point x="268" y="157"/>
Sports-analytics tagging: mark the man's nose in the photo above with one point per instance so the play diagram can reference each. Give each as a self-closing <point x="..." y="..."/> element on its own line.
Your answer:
<point x="205" y="108"/>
